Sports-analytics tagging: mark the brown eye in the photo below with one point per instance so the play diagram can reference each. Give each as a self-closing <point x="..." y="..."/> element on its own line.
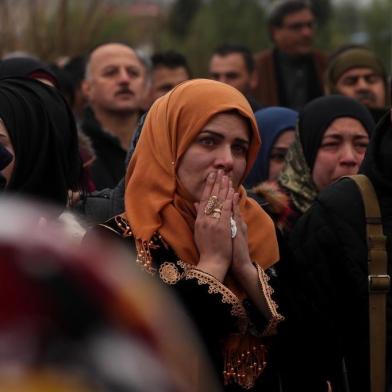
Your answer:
<point x="277" y="157"/>
<point x="207" y="141"/>
<point x="239" y="149"/>
<point x="110" y="72"/>
<point x="133" y="73"/>
<point x="361" y="146"/>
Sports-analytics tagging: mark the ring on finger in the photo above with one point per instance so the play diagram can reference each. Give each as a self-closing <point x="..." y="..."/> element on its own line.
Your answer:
<point x="211" y="203"/>
<point x="217" y="212"/>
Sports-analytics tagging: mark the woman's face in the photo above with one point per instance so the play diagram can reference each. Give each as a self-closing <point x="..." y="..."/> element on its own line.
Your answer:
<point x="341" y="151"/>
<point x="6" y="142"/>
<point x="278" y="153"/>
<point x="223" y="143"/>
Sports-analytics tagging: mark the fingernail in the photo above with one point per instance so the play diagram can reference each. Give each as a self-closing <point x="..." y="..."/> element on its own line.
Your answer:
<point x="212" y="175"/>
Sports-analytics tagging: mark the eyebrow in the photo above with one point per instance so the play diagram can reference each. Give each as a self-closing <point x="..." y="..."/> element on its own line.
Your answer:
<point x="220" y="136"/>
<point x="279" y="149"/>
<point x="338" y="136"/>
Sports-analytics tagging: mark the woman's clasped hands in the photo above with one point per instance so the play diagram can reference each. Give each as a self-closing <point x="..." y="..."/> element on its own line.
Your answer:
<point x="220" y="232"/>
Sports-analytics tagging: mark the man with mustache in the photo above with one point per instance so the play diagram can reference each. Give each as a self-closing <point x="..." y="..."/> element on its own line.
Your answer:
<point x="289" y="74"/>
<point x="355" y="71"/>
<point x="115" y="84"/>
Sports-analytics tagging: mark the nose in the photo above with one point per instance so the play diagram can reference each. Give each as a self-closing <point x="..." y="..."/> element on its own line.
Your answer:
<point x="222" y="79"/>
<point x="349" y="157"/>
<point x="307" y="31"/>
<point x="123" y="76"/>
<point x="224" y="159"/>
<point x="362" y="84"/>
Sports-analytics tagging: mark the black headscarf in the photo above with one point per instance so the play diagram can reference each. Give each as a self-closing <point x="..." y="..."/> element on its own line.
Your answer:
<point x="318" y="114"/>
<point x="43" y="134"/>
<point x="5" y="159"/>
<point x="377" y="164"/>
<point x="26" y="67"/>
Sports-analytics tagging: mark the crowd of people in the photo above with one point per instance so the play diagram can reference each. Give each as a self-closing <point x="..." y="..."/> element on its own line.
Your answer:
<point x="234" y="190"/>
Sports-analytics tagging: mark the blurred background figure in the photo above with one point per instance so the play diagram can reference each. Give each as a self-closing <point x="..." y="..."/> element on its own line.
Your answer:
<point x="291" y="73"/>
<point x="5" y="159"/>
<point x="277" y="128"/>
<point x="83" y="319"/>
<point x="75" y="68"/>
<point x="32" y="68"/>
<point x="168" y="69"/>
<point x="234" y="65"/>
<point x="38" y="129"/>
<point x="27" y="67"/>
<point x="115" y="84"/>
<point x="356" y="72"/>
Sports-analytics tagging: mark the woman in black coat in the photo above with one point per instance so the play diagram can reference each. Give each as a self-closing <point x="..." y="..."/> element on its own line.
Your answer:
<point x="327" y="280"/>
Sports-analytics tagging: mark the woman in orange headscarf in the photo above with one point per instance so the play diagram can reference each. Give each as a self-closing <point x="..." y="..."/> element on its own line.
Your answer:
<point x="194" y="226"/>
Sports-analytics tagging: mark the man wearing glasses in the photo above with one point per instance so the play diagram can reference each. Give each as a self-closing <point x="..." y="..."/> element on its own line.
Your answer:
<point x="290" y="74"/>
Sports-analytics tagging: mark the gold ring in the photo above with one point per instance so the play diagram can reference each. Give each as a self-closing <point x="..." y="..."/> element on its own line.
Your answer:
<point x="211" y="203"/>
<point x="217" y="214"/>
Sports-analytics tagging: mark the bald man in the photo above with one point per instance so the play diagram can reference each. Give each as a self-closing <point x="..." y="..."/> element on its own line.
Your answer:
<point x="115" y="84"/>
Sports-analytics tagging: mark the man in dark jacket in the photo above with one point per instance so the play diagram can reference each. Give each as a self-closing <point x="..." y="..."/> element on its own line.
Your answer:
<point x="115" y="85"/>
<point x="291" y="73"/>
<point x="326" y="281"/>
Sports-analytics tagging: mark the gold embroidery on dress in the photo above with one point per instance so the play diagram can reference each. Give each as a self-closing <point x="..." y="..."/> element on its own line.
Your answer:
<point x="123" y="225"/>
<point x="244" y="360"/>
<point x="267" y="291"/>
<point x="169" y="273"/>
<point x="216" y="287"/>
<point x="184" y="266"/>
<point x="143" y="256"/>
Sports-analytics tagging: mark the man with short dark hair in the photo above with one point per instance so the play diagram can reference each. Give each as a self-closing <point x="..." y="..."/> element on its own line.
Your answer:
<point x="356" y="72"/>
<point x="168" y="69"/>
<point x="291" y="73"/>
<point x="115" y="85"/>
<point x="234" y="64"/>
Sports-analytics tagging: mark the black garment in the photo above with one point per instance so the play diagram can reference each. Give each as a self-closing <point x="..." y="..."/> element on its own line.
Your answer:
<point x="27" y="67"/>
<point x="43" y="134"/>
<point x="326" y="281"/>
<point x="5" y="159"/>
<point x="202" y="296"/>
<point x="253" y="103"/>
<point x="318" y="115"/>
<point x="377" y="114"/>
<point x="297" y="80"/>
<point x="100" y="206"/>
<point x="108" y="167"/>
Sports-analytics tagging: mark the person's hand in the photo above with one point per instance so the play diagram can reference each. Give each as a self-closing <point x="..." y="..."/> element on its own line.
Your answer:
<point x="241" y="263"/>
<point x="212" y="230"/>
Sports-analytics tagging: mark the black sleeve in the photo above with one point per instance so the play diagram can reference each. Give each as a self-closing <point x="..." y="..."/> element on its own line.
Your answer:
<point x="308" y="347"/>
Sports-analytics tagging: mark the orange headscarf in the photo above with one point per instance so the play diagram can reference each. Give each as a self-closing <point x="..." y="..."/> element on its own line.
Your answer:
<point x="155" y="200"/>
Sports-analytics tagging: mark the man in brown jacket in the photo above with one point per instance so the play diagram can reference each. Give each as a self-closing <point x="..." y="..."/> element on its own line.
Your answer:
<point x="291" y="73"/>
